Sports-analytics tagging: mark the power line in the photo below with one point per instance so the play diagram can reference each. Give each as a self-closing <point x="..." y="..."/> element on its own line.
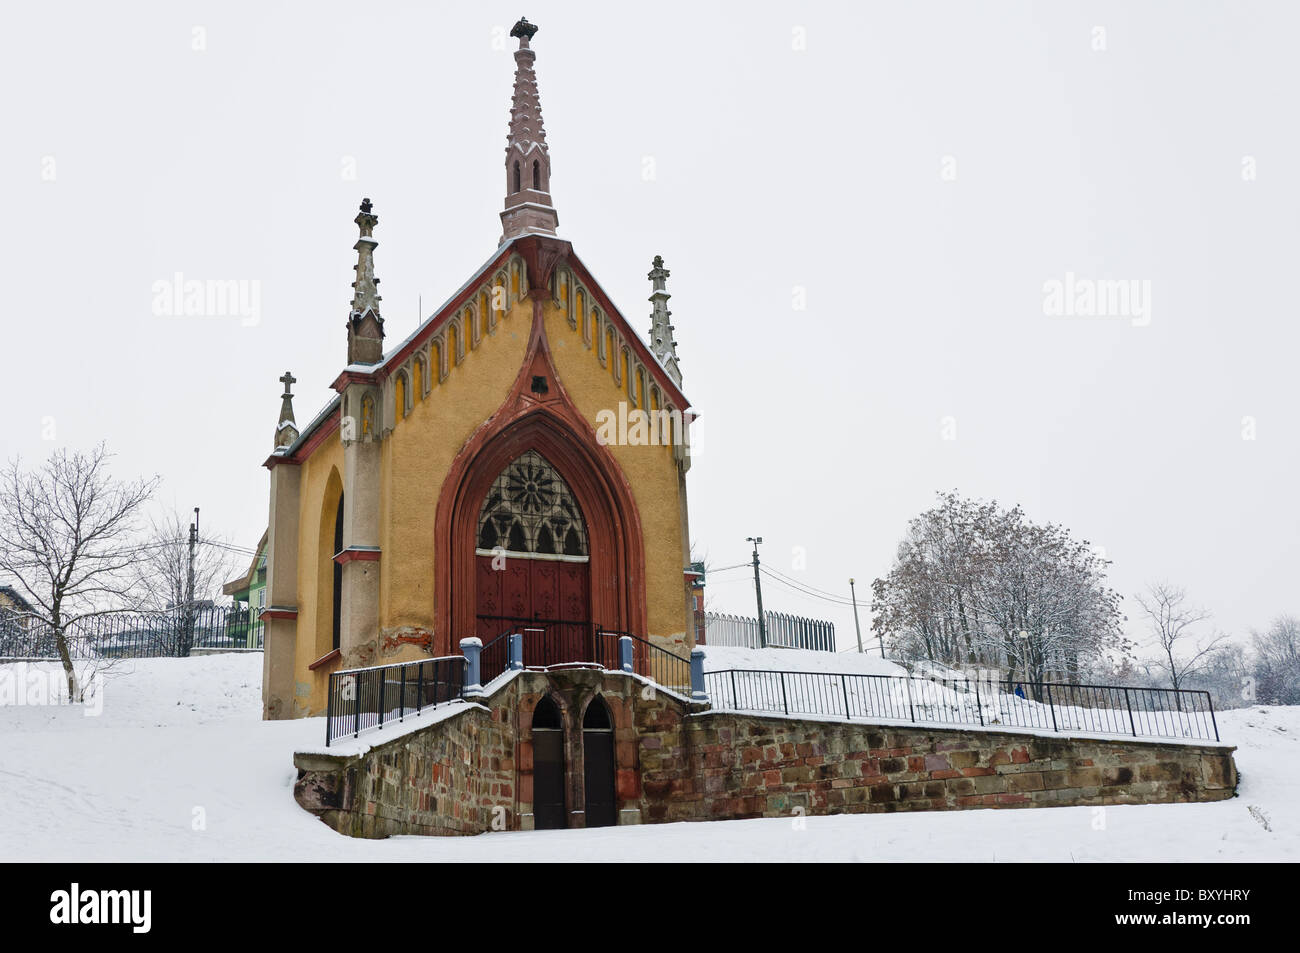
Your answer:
<point x="709" y="572"/>
<point x="806" y="585"/>
<point x="807" y="592"/>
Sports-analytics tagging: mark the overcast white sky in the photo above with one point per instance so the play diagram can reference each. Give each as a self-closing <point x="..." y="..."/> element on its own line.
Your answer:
<point x="129" y="155"/>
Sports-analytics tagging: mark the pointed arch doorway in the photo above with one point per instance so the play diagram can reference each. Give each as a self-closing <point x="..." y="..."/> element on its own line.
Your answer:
<point x="548" y="767"/>
<point x="615" y="554"/>
<point x="598" y="764"/>
<point x="532" y="562"/>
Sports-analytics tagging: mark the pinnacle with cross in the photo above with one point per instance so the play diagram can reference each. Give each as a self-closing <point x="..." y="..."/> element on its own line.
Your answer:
<point x="286" y="431"/>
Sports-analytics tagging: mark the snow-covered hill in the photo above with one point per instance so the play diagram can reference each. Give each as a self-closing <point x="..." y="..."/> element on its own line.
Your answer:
<point x="178" y="766"/>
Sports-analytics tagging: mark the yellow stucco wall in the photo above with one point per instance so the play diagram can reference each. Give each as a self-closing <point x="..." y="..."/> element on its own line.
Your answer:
<point x="415" y="458"/>
<point x="650" y="470"/>
<point x="418" y="454"/>
<point x="315" y="571"/>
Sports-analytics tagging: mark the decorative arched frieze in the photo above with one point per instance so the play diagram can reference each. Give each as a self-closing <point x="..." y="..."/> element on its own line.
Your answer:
<point x="438" y="352"/>
<point x="475" y="330"/>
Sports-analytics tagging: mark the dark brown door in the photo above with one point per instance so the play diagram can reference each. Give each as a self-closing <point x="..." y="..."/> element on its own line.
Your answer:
<point x="532" y="589"/>
<point x="598" y="765"/>
<point x="548" y="767"/>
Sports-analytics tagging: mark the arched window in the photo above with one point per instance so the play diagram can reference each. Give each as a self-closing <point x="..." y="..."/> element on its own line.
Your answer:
<point x="531" y="510"/>
<point x="537" y="176"/>
<point x="337" y="621"/>
<point x="516" y="188"/>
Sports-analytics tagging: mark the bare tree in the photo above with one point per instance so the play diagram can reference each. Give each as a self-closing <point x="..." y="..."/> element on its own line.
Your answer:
<point x="66" y="532"/>
<point x="1277" y="662"/>
<point x="977" y="584"/>
<point x="162" y="574"/>
<point x="1183" y="655"/>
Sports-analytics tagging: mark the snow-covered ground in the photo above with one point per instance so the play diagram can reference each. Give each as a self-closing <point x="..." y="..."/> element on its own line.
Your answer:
<point x="719" y="658"/>
<point x="178" y="766"/>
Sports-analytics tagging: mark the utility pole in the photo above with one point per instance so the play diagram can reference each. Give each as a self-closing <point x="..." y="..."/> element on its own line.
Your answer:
<point x="189" y="586"/>
<point x="856" y="624"/>
<point x="758" y="591"/>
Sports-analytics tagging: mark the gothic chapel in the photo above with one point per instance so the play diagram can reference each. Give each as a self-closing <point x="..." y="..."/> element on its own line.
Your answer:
<point x="460" y="485"/>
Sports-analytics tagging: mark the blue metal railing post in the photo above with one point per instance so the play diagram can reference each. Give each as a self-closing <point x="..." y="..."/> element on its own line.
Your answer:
<point x="698" y="693"/>
<point x="515" y="651"/>
<point x="625" y="658"/>
<point x="471" y="648"/>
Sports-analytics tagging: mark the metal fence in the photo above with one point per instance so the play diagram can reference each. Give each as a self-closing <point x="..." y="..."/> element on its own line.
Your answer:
<point x="1181" y="715"/>
<point x="366" y="698"/>
<point x="171" y="633"/>
<point x="783" y="631"/>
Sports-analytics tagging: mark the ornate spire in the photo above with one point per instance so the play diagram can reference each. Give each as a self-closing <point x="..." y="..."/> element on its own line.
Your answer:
<point x="286" y="432"/>
<point x="662" y="344"/>
<point x="528" y="209"/>
<point x="365" y="326"/>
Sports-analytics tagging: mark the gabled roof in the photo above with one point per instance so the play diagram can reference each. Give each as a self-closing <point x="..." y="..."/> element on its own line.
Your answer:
<point x="12" y="595"/>
<point x="534" y="249"/>
<point x="244" y="581"/>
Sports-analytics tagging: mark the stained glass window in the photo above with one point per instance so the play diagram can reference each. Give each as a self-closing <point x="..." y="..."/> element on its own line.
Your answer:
<point x="530" y="509"/>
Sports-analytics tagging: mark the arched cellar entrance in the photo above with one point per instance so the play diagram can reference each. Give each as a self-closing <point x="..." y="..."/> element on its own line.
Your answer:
<point x="598" y="764"/>
<point x="548" y="767"/>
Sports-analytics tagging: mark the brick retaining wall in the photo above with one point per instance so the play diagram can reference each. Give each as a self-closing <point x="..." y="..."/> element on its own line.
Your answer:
<point x="677" y="761"/>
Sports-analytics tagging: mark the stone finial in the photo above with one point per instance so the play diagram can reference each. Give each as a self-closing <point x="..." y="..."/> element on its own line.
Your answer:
<point x="286" y="431"/>
<point x="365" y="325"/>
<point x="524" y="30"/>
<point x="662" y="344"/>
<point x="528" y="206"/>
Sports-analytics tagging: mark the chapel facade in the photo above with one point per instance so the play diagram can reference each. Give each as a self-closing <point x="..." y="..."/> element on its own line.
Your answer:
<point x="482" y="475"/>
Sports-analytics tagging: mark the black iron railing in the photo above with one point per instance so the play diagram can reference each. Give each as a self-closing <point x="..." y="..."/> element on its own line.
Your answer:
<point x="669" y="669"/>
<point x="1179" y="714"/>
<point x="548" y="642"/>
<point x="362" y="699"/>
<point x="170" y="633"/>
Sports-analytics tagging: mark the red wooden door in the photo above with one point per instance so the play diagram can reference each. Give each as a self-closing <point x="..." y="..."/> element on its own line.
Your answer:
<point x="543" y="589"/>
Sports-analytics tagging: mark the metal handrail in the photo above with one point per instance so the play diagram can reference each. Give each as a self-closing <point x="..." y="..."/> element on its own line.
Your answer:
<point x="358" y="699"/>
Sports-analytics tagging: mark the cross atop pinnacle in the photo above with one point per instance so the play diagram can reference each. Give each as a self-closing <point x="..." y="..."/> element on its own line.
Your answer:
<point x="286" y="431"/>
<point x="528" y="207"/>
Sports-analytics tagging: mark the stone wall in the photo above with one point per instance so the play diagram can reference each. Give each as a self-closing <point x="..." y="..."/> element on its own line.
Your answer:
<point x="472" y="771"/>
<point x="444" y="779"/>
<point x="724" y="765"/>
